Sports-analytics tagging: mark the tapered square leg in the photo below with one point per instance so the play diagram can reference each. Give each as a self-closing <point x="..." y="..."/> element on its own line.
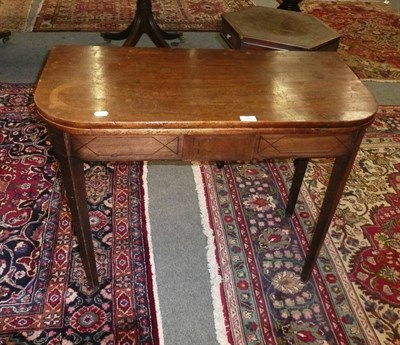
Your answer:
<point x="74" y="184"/>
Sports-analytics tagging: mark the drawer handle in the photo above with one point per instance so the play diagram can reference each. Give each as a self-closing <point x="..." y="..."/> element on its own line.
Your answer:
<point x="228" y="36"/>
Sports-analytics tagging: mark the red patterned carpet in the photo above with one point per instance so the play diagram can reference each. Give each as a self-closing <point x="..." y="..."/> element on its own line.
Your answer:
<point x="353" y="296"/>
<point x="106" y="15"/>
<point x="370" y="35"/>
<point x="44" y="297"/>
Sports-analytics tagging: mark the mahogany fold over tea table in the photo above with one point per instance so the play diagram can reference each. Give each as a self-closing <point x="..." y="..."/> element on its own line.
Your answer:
<point x="113" y="103"/>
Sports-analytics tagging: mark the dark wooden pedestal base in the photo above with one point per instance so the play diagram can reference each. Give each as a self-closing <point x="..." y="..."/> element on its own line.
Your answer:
<point x="5" y="35"/>
<point x="290" y="5"/>
<point x="143" y="23"/>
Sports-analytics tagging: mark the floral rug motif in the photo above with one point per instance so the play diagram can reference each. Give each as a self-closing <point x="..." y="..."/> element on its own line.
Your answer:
<point x="105" y="15"/>
<point x="370" y="35"/>
<point x="14" y="14"/>
<point x="44" y="296"/>
<point x="353" y="295"/>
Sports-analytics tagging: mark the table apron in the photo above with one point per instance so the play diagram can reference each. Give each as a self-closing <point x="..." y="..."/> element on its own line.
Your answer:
<point x="210" y="147"/>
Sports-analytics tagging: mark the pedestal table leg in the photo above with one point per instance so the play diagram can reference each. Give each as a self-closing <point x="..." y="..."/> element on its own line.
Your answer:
<point x="142" y="23"/>
<point x="290" y="5"/>
<point x="5" y="35"/>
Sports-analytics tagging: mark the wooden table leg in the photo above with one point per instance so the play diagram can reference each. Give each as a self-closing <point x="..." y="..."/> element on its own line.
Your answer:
<point x="143" y="23"/>
<point x="340" y="172"/>
<point x="300" y="167"/>
<point x="74" y="184"/>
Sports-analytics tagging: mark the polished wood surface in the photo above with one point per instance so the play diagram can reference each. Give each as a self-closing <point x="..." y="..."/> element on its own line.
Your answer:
<point x="198" y="89"/>
<point x="198" y="104"/>
<point x="261" y="27"/>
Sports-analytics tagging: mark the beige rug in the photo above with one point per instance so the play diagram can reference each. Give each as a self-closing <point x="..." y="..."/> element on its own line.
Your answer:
<point x="14" y="14"/>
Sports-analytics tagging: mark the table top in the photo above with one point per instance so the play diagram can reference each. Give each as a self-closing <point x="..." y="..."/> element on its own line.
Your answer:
<point x="89" y="88"/>
<point x="283" y="28"/>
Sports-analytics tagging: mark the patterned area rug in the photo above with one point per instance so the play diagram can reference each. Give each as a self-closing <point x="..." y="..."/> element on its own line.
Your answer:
<point x="44" y="297"/>
<point x="14" y="14"/>
<point x="353" y="296"/>
<point x="105" y="15"/>
<point x="370" y="35"/>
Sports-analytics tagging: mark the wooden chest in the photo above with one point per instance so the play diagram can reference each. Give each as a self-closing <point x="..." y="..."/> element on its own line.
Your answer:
<point x="269" y="28"/>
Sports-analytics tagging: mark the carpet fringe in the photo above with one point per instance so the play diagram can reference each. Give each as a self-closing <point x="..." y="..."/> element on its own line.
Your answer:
<point x="150" y="243"/>
<point x="213" y="268"/>
<point x="33" y="12"/>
